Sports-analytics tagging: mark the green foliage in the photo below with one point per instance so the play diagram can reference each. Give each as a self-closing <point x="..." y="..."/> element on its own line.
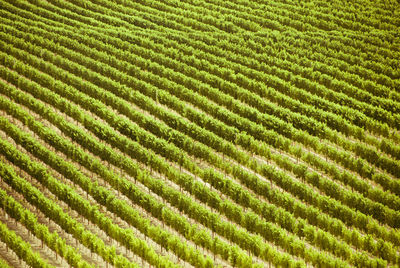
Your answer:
<point x="260" y="133"/>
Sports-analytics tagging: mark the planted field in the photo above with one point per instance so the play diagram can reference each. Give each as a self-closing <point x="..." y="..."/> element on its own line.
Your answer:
<point x="199" y="133"/>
